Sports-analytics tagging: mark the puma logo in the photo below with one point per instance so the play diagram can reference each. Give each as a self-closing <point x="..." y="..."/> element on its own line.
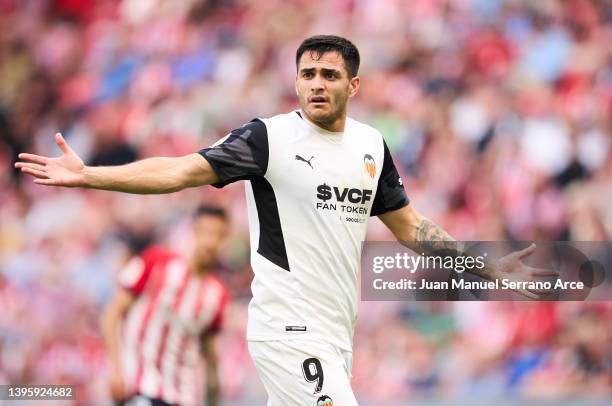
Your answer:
<point x="299" y="158"/>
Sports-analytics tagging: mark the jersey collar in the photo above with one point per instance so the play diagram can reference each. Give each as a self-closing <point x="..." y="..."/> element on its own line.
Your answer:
<point x="332" y="136"/>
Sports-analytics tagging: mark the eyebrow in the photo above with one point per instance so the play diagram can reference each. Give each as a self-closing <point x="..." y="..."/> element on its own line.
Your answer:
<point x="323" y="70"/>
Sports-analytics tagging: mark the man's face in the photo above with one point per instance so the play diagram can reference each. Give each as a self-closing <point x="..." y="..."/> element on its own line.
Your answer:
<point x="209" y="234"/>
<point x="323" y="87"/>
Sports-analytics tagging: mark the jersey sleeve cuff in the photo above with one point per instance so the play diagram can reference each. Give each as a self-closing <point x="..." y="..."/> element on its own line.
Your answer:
<point x="222" y="182"/>
<point x="401" y="204"/>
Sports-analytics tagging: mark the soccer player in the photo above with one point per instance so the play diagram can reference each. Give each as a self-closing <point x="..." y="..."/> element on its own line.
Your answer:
<point x="314" y="176"/>
<point x="166" y="313"/>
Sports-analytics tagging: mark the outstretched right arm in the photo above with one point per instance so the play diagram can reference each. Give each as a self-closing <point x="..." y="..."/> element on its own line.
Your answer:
<point x="148" y="176"/>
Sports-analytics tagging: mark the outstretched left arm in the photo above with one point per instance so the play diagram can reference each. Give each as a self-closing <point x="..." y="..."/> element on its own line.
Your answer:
<point x="423" y="236"/>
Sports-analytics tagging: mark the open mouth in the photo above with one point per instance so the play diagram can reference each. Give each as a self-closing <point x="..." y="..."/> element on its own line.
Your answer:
<point x="318" y="99"/>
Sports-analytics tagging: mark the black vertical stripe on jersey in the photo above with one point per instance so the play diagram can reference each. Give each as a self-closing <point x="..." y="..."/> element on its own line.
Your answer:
<point x="244" y="156"/>
<point x="271" y="241"/>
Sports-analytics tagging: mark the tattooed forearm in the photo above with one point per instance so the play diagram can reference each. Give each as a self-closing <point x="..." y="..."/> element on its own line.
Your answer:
<point x="431" y="238"/>
<point x="426" y="238"/>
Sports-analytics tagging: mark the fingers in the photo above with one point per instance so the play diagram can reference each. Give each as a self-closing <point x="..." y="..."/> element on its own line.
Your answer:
<point x="542" y="291"/>
<point x="61" y="143"/>
<point x="528" y="294"/>
<point x="31" y="166"/>
<point x="46" y="182"/>
<point x="53" y="182"/>
<point x="32" y="158"/>
<point x="526" y="251"/>
<point x="545" y="273"/>
<point x="35" y="172"/>
<point x="537" y="296"/>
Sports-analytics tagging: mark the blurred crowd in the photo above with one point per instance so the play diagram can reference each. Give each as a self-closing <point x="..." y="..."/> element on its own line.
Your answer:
<point x="498" y="114"/>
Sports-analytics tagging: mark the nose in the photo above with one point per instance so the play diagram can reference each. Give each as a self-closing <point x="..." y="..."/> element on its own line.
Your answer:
<point x="317" y="83"/>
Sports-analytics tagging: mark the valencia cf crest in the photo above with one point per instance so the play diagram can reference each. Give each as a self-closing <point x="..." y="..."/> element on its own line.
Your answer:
<point x="370" y="165"/>
<point x="325" y="401"/>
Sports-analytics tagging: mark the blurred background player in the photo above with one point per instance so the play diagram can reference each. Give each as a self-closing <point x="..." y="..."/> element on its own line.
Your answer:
<point x="165" y="315"/>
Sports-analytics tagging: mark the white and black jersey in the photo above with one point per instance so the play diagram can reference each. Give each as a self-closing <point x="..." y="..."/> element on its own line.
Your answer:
<point x="310" y="193"/>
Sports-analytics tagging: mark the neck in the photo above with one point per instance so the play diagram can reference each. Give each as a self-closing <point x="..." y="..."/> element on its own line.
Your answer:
<point x="197" y="269"/>
<point x="335" y="126"/>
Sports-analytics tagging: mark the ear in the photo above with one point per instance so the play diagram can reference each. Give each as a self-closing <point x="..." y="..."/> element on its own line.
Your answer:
<point x="354" y="86"/>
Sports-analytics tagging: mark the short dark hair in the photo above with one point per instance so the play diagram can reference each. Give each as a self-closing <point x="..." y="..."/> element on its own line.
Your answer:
<point x="208" y="210"/>
<point x="320" y="44"/>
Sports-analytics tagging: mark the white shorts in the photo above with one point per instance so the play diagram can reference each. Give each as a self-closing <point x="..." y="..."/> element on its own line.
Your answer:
<point x="303" y="372"/>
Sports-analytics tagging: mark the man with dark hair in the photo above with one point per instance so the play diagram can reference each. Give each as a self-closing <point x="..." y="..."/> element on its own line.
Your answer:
<point x="321" y="44"/>
<point x="314" y="177"/>
<point x="168" y="310"/>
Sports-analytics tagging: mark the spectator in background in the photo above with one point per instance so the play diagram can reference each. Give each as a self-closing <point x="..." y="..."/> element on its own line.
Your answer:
<point x="168" y="310"/>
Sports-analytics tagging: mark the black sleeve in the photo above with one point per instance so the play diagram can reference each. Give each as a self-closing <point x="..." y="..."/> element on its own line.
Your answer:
<point x="243" y="155"/>
<point x="390" y="193"/>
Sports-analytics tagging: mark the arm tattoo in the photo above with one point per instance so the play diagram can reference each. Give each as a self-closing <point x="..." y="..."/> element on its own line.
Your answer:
<point x="431" y="238"/>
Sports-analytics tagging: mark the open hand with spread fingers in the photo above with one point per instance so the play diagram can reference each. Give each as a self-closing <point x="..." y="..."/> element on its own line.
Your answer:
<point x="66" y="170"/>
<point x="512" y="268"/>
